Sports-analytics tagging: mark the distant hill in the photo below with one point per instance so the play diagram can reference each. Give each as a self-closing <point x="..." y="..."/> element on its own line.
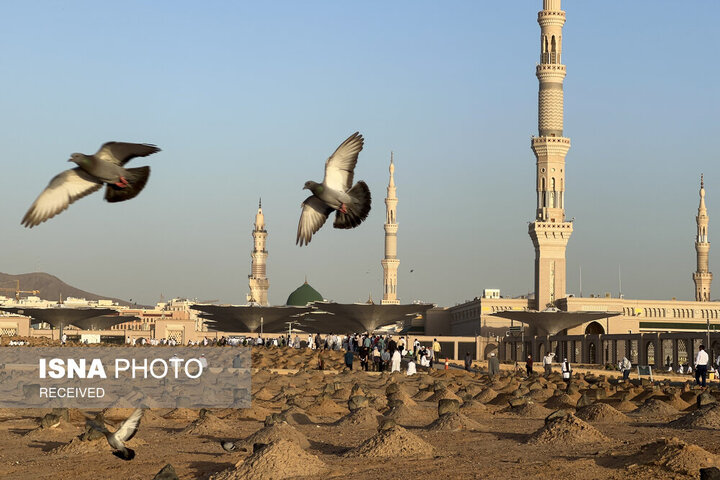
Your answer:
<point x="51" y="287"/>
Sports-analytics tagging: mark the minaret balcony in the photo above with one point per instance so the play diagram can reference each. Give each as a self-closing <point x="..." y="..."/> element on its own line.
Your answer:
<point x="551" y="14"/>
<point x="550" y="71"/>
<point x="543" y="140"/>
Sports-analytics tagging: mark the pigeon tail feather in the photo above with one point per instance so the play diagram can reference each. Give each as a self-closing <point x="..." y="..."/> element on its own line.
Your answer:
<point x="357" y="210"/>
<point x="136" y="178"/>
<point x="127" y="454"/>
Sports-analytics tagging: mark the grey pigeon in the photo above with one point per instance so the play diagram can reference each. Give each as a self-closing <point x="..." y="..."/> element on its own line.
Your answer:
<point x="350" y="203"/>
<point x="167" y="473"/>
<point x="228" y="446"/>
<point x="92" y="172"/>
<point x="125" y="432"/>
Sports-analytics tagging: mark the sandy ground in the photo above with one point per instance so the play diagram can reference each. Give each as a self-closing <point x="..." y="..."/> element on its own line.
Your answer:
<point x="486" y="438"/>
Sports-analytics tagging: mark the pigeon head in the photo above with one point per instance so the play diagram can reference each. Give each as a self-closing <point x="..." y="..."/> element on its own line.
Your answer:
<point x="312" y="186"/>
<point x="80" y="159"/>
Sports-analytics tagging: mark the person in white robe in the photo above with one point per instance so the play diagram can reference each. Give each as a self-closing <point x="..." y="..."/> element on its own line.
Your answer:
<point x="395" y="361"/>
<point x="411" y="368"/>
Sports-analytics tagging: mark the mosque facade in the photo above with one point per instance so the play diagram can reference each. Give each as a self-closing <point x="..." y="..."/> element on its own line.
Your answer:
<point x="551" y="231"/>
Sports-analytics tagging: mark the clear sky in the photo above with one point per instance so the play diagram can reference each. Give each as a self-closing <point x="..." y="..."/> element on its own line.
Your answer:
<point x="248" y="99"/>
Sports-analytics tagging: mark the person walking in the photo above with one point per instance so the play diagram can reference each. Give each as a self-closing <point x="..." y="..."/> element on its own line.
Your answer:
<point x="437" y="350"/>
<point x="529" y="365"/>
<point x="376" y="359"/>
<point x="566" y="370"/>
<point x="625" y="367"/>
<point x="547" y="364"/>
<point x="493" y="365"/>
<point x="349" y="359"/>
<point x="364" y="357"/>
<point x="468" y="361"/>
<point x="701" y="365"/>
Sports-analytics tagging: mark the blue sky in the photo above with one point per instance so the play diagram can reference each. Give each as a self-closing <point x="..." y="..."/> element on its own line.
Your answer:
<point x="247" y="99"/>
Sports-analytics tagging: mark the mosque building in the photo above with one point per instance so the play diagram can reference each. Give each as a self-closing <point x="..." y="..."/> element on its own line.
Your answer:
<point x="551" y="231"/>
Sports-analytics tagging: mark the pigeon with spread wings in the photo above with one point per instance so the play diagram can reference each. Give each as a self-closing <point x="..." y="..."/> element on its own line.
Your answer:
<point x="125" y="432"/>
<point x="351" y="203"/>
<point x="106" y="167"/>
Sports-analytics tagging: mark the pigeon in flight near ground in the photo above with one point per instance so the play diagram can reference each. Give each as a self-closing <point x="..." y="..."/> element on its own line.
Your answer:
<point x="125" y="432"/>
<point x="350" y="203"/>
<point x="92" y="172"/>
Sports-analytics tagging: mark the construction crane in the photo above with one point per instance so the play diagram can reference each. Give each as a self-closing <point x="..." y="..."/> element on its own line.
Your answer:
<point x="18" y="291"/>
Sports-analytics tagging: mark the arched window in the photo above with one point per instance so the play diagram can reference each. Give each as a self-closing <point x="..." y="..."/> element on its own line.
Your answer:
<point x="553" y="50"/>
<point x="542" y="189"/>
<point x="553" y="194"/>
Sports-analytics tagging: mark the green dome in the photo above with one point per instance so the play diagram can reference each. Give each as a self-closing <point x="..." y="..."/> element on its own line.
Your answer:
<point x="303" y="295"/>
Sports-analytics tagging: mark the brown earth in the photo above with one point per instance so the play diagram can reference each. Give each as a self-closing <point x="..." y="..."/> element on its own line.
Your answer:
<point x="502" y="445"/>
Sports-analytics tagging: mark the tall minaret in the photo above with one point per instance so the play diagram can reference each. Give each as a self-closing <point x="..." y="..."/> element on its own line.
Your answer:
<point x="258" y="280"/>
<point x="390" y="263"/>
<point x="550" y="232"/>
<point x="702" y="278"/>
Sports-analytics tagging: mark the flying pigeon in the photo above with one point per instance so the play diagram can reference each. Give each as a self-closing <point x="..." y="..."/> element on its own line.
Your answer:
<point x="351" y="203"/>
<point x="92" y="172"/>
<point x="125" y="432"/>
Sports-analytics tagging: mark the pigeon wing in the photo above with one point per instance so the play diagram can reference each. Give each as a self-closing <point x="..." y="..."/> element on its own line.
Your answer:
<point x="120" y="153"/>
<point x="62" y="190"/>
<point x="129" y="427"/>
<point x="340" y="167"/>
<point x="314" y="214"/>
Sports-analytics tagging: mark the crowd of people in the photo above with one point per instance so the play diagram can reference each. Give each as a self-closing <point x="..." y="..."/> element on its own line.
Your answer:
<point x="375" y="352"/>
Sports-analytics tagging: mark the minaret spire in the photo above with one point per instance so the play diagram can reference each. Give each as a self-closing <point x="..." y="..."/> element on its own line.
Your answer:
<point x="390" y="263"/>
<point x="702" y="277"/>
<point x="259" y="282"/>
<point x="550" y="232"/>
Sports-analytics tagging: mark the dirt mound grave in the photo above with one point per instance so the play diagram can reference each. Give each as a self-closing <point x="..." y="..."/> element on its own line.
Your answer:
<point x="529" y="410"/>
<point x="256" y="412"/>
<point x="454" y="422"/>
<point x="704" y="417"/>
<point x="676" y="401"/>
<point x="90" y="443"/>
<point x="61" y="428"/>
<point x="182" y="414"/>
<point x="207" y="423"/>
<point x="275" y="461"/>
<point x="404" y="415"/>
<point x="676" y="456"/>
<point x="601" y="413"/>
<point x="566" y="430"/>
<point x="326" y="407"/>
<point x="625" y="406"/>
<point x="475" y="408"/>
<point x="393" y="442"/>
<point x="655" y="408"/>
<point x="275" y="432"/>
<point x="363" y="418"/>
<point x="78" y="446"/>
<point x="297" y="416"/>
